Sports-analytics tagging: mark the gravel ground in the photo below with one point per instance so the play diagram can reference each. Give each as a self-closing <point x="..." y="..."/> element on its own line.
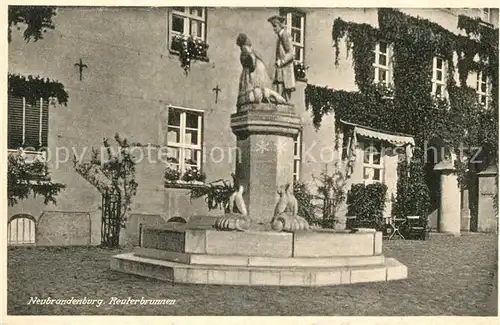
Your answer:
<point x="447" y="276"/>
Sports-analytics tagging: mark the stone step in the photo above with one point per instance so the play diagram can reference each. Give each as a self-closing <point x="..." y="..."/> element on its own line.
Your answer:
<point x="175" y="272"/>
<point x="238" y="260"/>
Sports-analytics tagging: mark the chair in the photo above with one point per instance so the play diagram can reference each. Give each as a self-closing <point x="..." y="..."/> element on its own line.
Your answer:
<point x="350" y="222"/>
<point x="396" y="225"/>
<point x="416" y="227"/>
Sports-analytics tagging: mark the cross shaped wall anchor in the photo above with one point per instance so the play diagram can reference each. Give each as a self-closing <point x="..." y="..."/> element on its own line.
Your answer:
<point x="80" y="66"/>
<point x="217" y="90"/>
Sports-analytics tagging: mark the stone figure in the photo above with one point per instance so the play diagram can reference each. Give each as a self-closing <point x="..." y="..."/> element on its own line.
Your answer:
<point x="292" y="204"/>
<point x="284" y="77"/>
<point x="285" y="213"/>
<point x="234" y="219"/>
<point x="282" y="201"/>
<point x="237" y="198"/>
<point x="255" y="85"/>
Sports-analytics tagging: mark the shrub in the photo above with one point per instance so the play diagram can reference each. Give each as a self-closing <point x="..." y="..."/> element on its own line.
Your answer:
<point x="367" y="203"/>
<point x="413" y="196"/>
<point x="305" y="201"/>
<point x="216" y="193"/>
<point x="333" y="192"/>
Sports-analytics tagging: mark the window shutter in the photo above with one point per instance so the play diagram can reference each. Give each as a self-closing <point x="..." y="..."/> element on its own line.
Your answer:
<point x="45" y="124"/>
<point x="32" y="125"/>
<point x="14" y="122"/>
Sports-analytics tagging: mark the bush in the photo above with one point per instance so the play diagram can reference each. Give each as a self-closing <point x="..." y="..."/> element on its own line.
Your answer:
<point x="413" y="196"/>
<point x="367" y="203"/>
<point x="217" y="193"/>
<point x="306" y="207"/>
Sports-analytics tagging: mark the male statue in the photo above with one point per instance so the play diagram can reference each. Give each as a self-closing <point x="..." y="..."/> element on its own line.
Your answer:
<point x="284" y="77"/>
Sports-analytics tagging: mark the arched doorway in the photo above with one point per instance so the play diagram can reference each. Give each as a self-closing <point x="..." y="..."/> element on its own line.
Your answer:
<point x="21" y="230"/>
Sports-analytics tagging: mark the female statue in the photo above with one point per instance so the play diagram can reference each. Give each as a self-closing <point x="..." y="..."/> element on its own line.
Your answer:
<point x="255" y="84"/>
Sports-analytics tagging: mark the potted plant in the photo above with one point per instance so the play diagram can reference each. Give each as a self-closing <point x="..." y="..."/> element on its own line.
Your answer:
<point x="299" y="70"/>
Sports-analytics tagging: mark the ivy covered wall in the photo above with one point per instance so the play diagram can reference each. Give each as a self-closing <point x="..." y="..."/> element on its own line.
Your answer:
<point x="459" y="119"/>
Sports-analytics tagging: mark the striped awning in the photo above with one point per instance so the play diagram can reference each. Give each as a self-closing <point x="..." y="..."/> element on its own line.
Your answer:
<point x="393" y="138"/>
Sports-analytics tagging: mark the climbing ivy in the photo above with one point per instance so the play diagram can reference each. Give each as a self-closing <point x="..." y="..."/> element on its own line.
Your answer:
<point x="34" y="88"/>
<point x="459" y="120"/>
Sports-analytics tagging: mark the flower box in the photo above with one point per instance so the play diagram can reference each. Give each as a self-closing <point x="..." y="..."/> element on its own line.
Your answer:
<point x="189" y="49"/>
<point x="183" y="184"/>
<point x="300" y="71"/>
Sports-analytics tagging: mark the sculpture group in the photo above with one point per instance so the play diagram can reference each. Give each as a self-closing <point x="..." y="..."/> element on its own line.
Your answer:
<point x="255" y="85"/>
<point x="285" y="217"/>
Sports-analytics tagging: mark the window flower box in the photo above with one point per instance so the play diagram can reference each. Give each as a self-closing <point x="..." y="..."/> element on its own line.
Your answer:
<point x="386" y="91"/>
<point x="171" y="174"/>
<point x="191" y="178"/>
<point x="300" y="71"/>
<point x="194" y="175"/>
<point x="189" y="49"/>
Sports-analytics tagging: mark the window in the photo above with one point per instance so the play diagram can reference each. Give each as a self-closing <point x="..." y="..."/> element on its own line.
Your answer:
<point x="21" y="230"/>
<point x="372" y="161"/>
<point x="27" y="124"/>
<point x="438" y="77"/>
<point x="183" y="138"/>
<point x="295" y="23"/>
<point x="485" y="14"/>
<point x="297" y="156"/>
<point x="482" y="89"/>
<point x="382" y="63"/>
<point x="187" y="21"/>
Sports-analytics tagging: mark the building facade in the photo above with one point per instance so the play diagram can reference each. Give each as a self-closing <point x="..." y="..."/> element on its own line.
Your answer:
<point x="133" y="84"/>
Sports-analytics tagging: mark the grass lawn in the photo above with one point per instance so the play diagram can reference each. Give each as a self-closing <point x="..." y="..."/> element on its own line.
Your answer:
<point x="447" y="276"/>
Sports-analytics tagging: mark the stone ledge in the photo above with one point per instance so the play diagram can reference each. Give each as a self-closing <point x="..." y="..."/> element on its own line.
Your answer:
<point x="326" y="244"/>
<point x="257" y="261"/>
<point x="268" y="276"/>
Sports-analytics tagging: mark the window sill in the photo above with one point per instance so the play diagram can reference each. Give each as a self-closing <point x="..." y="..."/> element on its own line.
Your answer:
<point x="197" y="58"/>
<point x="486" y="24"/>
<point x="183" y="184"/>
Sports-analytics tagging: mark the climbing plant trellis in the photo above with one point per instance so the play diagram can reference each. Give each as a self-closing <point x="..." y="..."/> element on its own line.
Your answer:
<point x="114" y="178"/>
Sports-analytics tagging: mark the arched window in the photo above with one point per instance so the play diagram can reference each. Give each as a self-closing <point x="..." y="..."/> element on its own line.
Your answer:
<point x="21" y="230"/>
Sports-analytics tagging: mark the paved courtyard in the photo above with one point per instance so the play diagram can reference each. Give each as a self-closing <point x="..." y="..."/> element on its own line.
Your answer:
<point x="447" y="276"/>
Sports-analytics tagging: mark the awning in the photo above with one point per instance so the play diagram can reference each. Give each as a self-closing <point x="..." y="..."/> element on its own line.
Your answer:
<point x="396" y="139"/>
<point x="402" y="140"/>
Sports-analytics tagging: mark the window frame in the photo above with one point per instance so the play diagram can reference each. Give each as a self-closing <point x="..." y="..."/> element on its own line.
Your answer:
<point x="297" y="156"/>
<point x="480" y="94"/>
<point x="377" y="66"/>
<point x="370" y="143"/>
<point x="437" y="82"/>
<point x="287" y="13"/>
<point x="182" y="146"/>
<point x="485" y="15"/>
<point x="187" y="17"/>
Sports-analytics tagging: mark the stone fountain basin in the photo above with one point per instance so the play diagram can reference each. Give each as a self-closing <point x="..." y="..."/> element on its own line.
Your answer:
<point x="184" y="253"/>
<point x="182" y="238"/>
